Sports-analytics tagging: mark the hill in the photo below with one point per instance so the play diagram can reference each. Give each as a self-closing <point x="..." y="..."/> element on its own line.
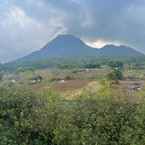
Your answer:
<point x="72" y="48"/>
<point x="119" y="51"/>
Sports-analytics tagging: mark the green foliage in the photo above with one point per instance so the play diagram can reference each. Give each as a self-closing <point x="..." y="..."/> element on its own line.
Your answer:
<point x="63" y="63"/>
<point x="1" y="76"/>
<point x="116" y="74"/>
<point x="22" y="118"/>
<point x="116" y="65"/>
<point x="33" y="119"/>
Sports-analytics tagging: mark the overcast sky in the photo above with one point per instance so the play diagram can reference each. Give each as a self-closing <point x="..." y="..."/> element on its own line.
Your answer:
<point x="27" y="25"/>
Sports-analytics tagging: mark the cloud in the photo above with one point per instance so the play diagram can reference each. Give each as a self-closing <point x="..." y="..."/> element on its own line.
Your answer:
<point x="27" y="25"/>
<point x="112" y="20"/>
<point x="21" y="34"/>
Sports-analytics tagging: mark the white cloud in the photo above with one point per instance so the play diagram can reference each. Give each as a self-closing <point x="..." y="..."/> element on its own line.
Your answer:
<point x="22" y="34"/>
<point x="101" y="43"/>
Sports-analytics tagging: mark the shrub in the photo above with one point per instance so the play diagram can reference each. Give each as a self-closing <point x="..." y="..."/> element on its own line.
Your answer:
<point x="1" y="76"/>
<point x="32" y="119"/>
<point x="115" y="75"/>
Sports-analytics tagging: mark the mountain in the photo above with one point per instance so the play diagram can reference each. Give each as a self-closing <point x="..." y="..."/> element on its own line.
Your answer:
<point x="119" y="51"/>
<point x="70" y="47"/>
<point x="63" y="46"/>
<point x="66" y="46"/>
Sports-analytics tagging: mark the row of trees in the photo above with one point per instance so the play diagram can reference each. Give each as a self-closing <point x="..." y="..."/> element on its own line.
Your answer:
<point x="30" y="119"/>
<point x="64" y="63"/>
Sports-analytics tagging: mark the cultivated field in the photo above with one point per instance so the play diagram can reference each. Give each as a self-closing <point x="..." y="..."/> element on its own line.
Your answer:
<point x="71" y="81"/>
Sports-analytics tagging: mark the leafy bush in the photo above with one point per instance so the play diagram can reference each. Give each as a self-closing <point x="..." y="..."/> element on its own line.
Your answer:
<point x="115" y="75"/>
<point x="1" y="76"/>
<point x="116" y="64"/>
<point x="33" y="119"/>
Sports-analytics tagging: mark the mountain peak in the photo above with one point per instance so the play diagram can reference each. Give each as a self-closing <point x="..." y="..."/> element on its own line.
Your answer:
<point x="69" y="46"/>
<point x="66" y="39"/>
<point x="66" y="36"/>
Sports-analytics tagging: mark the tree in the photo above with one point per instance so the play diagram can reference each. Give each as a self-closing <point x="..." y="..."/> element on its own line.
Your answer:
<point x="1" y="76"/>
<point x="116" y="65"/>
<point x="116" y="74"/>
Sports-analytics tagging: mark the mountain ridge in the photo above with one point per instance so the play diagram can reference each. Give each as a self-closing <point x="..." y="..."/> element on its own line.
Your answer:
<point x="71" y="47"/>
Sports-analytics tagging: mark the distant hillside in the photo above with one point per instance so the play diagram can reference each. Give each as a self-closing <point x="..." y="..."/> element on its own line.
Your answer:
<point x="70" y="47"/>
<point x="119" y="51"/>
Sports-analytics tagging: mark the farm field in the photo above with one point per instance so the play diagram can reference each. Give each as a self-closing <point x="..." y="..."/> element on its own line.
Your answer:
<point x="71" y="81"/>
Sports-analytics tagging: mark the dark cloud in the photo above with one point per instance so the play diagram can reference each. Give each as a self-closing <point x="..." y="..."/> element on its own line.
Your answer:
<point x="27" y="25"/>
<point x="113" y="20"/>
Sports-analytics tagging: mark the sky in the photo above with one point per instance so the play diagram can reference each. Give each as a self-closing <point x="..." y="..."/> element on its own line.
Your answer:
<point x="27" y="25"/>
